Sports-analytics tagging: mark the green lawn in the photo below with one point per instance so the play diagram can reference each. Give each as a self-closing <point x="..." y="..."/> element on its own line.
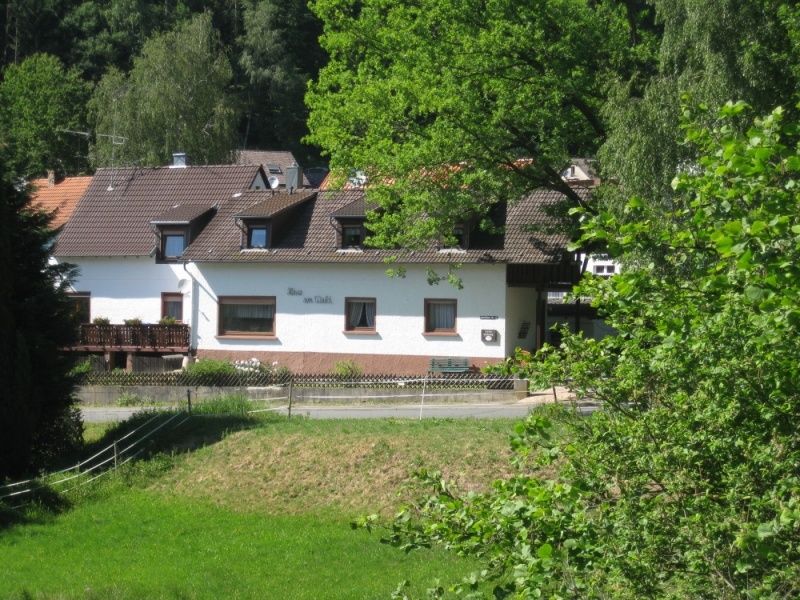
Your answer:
<point x="147" y="545"/>
<point x="249" y="508"/>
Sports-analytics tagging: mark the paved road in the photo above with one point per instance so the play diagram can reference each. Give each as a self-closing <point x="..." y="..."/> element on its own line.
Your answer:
<point x="399" y="411"/>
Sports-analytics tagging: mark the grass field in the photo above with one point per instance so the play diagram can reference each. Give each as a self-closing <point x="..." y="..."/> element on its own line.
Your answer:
<point x="242" y="508"/>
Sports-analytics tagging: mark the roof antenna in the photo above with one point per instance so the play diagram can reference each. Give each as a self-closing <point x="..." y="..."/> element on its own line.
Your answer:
<point x="116" y="140"/>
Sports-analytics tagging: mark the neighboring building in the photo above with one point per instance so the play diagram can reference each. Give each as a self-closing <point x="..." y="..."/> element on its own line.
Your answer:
<point x="285" y="277"/>
<point x="58" y="197"/>
<point x="276" y="163"/>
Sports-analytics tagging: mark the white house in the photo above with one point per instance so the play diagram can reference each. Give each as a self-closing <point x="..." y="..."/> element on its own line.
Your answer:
<point x="285" y="276"/>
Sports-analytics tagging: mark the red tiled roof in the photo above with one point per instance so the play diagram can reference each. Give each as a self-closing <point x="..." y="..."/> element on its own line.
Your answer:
<point x="59" y="200"/>
<point x="113" y="218"/>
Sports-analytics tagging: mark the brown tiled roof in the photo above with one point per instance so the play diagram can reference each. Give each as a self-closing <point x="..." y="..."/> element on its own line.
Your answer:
<point x="60" y="199"/>
<point x="182" y="214"/>
<point x="311" y="238"/>
<point x="113" y="218"/>
<point x="283" y="159"/>
<point x="356" y="208"/>
<point x="273" y="204"/>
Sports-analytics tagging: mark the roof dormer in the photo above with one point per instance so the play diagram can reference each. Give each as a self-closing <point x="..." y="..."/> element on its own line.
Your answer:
<point x="263" y="221"/>
<point x="350" y="223"/>
<point x="177" y="227"/>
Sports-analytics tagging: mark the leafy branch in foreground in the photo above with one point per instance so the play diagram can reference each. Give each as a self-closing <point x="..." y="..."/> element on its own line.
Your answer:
<point x="686" y="485"/>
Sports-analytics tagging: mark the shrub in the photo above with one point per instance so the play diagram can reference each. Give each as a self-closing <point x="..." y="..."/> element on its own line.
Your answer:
<point x="101" y="321"/>
<point x="210" y="371"/>
<point x="82" y="368"/>
<point x="347" y="368"/>
<point x="136" y="321"/>
<point x="686" y="484"/>
<point x="167" y="321"/>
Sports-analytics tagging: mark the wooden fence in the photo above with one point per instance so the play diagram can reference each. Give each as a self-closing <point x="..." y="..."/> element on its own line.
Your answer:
<point x="267" y="378"/>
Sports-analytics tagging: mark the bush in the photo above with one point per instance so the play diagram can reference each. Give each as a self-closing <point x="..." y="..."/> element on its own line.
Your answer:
<point x="135" y="322"/>
<point x="101" y="321"/>
<point x="210" y="372"/>
<point x="686" y="484"/>
<point x="347" y="369"/>
<point x="167" y="321"/>
<point x="81" y="369"/>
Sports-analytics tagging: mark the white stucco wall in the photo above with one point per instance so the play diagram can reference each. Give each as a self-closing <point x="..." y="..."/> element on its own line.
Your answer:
<point x="129" y="287"/>
<point x="520" y="306"/>
<point x="315" y="327"/>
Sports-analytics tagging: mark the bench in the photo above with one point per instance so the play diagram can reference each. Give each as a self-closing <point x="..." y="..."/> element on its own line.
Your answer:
<point x="448" y="364"/>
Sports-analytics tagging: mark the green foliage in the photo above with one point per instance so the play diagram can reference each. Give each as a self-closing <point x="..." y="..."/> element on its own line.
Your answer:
<point x="131" y="399"/>
<point x="176" y="98"/>
<point x="101" y="321"/>
<point x="132" y="322"/>
<point x="167" y="320"/>
<point x="448" y="113"/>
<point x="82" y="368"/>
<point x="231" y="404"/>
<point x="280" y="54"/>
<point x="39" y="100"/>
<point x="210" y="370"/>
<point x="752" y="54"/>
<point x="37" y="420"/>
<point x="686" y="484"/>
<point x="347" y="369"/>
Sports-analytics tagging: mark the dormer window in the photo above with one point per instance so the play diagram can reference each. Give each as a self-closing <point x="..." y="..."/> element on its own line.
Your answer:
<point x="352" y="236"/>
<point x="177" y="227"/>
<point x="173" y="243"/>
<point x="258" y="235"/>
<point x="460" y="233"/>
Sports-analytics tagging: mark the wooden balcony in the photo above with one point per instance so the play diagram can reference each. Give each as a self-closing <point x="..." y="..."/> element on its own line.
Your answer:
<point x="132" y="338"/>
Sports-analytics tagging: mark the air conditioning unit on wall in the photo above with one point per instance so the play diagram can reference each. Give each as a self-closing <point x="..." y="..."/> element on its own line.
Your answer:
<point x="489" y="335"/>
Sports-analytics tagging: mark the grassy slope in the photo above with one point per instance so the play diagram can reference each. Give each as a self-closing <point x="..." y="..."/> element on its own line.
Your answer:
<point x="304" y="466"/>
<point x="259" y="512"/>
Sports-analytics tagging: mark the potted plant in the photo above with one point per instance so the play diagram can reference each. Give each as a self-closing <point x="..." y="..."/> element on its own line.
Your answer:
<point x="134" y="333"/>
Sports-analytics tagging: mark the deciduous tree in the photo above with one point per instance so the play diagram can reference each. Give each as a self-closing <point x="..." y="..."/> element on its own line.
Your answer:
<point x="462" y="104"/>
<point x="40" y="100"/>
<point x="280" y="54"/>
<point x="176" y="98"/>
<point x="686" y="484"/>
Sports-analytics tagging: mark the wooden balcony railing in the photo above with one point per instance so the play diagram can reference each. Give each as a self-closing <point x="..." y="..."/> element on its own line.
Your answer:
<point x="152" y="338"/>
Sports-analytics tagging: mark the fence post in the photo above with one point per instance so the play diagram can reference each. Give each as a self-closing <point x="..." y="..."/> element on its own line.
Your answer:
<point x="189" y="400"/>
<point x="291" y="394"/>
<point x="115" y="455"/>
<point x="422" y="402"/>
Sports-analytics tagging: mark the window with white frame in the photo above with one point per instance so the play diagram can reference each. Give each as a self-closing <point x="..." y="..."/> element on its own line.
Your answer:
<point x="359" y="314"/>
<point x="440" y="316"/>
<point x="604" y="270"/>
<point x="247" y="315"/>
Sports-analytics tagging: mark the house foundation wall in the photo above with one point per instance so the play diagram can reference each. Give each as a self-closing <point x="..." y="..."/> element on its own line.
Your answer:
<point x="324" y="362"/>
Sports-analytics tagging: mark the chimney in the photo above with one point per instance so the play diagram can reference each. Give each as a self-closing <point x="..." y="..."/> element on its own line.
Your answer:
<point x="51" y="178"/>
<point x="294" y="177"/>
<point x="179" y="160"/>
